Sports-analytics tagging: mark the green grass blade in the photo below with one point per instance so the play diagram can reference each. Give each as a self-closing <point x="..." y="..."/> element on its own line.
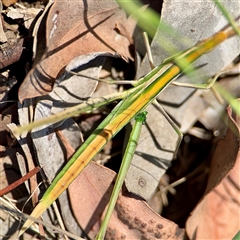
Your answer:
<point x="229" y="98"/>
<point x="237" y="236"/>
<point x="227" y="16"/>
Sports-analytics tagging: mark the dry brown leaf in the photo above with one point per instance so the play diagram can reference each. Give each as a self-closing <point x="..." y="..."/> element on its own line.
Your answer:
<point x="73" y="29"/>
<point x="220" y="207"/>
<point x="219" y="210"/>
<point x="10" y="53"/>
<point x="27" y="14"/>
<point x="3" y="37"/>
<point x="8" y="3"/>
<point x="7" y="116"/>
<point x="132" y="218"/>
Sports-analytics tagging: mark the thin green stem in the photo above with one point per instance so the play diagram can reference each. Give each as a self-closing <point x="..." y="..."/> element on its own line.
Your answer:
<point x="226" y="14"/>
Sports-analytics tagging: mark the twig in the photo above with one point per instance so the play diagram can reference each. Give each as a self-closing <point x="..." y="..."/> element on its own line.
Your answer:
<point x="19" y="181"/>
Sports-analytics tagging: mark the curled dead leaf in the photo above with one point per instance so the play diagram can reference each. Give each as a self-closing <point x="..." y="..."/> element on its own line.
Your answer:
<point x="219" y="209"/>
<point x="73" y="29"/>
<point x="132" y="218"/>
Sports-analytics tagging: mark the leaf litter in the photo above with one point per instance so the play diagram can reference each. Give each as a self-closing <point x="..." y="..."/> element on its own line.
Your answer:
<point x="132" y="218"/>
<point x="89" y="28"/>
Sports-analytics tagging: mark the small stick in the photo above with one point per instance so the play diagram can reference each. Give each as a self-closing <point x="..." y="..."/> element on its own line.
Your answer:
<point x="30" y="174"/>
